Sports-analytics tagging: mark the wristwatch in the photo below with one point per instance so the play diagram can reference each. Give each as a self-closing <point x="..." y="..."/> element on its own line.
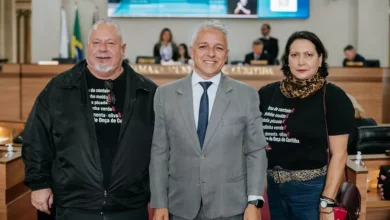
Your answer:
<point x="258" y="203"/>
<point x="324" y="203"/>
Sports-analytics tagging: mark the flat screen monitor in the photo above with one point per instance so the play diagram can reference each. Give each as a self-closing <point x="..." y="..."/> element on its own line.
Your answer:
<point x="264" y="9"/>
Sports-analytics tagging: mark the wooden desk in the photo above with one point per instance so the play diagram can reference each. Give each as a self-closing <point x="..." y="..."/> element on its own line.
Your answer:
<point x="9" y="130"/>
<point x="372" y="207"/>
<point x="370" y="86"/>
<point x="10" y="92"/>
<point x="14" y="196"/>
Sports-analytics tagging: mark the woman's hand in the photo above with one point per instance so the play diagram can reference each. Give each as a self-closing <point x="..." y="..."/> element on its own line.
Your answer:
<point x="326" y="214"/>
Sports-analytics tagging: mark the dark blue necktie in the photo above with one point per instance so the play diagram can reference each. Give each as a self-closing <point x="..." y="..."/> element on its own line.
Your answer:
<point x="203" y="119"/>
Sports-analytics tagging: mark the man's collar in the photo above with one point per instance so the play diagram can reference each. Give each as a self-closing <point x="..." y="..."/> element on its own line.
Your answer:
<point x="215" y="79"/>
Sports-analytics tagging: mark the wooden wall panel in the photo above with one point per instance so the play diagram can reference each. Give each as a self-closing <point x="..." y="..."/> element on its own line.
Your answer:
<point x="9" y="92"/>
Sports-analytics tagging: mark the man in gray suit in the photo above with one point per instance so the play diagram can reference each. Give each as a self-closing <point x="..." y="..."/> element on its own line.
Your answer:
<point x="208" y="157"/>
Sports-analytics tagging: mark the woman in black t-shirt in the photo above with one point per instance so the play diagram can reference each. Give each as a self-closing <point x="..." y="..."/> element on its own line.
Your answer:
<point x="296" y="128"/>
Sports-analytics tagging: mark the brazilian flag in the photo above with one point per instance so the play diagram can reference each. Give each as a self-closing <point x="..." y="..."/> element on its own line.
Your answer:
<point x="77" y="45"/>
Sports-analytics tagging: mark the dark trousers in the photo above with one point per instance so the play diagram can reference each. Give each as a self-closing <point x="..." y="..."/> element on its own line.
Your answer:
<point x="76" y="214"/>
<point x="295" y="200"/>
<point x="44" y="216"/>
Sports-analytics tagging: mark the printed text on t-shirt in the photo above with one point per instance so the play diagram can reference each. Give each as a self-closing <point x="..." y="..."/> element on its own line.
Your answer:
<point x="275" y="125"/>
<point x="102" y="112"/>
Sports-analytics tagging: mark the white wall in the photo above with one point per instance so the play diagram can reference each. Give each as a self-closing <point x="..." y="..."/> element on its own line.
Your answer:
<point x="45" y="31"/>
<point x="373" y="31"/>
<point x="336" y="22"/>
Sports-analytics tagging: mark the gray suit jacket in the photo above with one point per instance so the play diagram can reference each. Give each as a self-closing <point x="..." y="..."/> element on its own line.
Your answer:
<point x="232" y="163"/>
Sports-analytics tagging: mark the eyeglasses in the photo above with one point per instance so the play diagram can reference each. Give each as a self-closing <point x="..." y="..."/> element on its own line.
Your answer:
<point x="110" y="96"/>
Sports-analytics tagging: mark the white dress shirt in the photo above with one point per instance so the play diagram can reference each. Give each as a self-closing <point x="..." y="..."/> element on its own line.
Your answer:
<point x="166" y="52"/>
<point x="197" y="92"/>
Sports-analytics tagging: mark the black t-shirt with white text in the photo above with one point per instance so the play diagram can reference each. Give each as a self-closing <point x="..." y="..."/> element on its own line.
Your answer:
<point x="107" y="117"/>
<point x="295" y="128"/>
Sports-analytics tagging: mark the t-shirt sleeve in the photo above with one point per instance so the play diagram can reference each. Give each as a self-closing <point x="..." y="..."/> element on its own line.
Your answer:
<point x="340" y="111"/>
<point x="261" y="96"/>
<point x="265" y="94"/>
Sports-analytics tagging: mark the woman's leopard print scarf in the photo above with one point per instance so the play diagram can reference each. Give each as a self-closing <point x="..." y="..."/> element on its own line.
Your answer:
<point x="295" y="88"/>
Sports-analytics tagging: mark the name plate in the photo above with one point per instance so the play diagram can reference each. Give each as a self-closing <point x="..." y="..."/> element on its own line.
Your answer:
<point x="259" y="62"/>
<point x="351" y="63"/>
<point x="146" y="60"/>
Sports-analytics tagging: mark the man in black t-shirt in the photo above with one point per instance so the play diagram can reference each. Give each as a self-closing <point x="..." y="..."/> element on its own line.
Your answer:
<point x="88" y="138"/>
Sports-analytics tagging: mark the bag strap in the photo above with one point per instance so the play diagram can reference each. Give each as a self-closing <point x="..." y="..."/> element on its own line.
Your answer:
<point x="326" y="127"/>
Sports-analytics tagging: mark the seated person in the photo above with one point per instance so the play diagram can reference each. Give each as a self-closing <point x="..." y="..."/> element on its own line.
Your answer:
<point x="258" y="53"/>
<point x="385" y="188"/>
<point x="359" y="122"/>
<point x="183" y="56"/>
<point x="352" y="56"/>
<point x="165" y="49"/>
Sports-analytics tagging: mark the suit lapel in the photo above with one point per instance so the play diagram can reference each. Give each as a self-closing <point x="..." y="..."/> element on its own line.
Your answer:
<point x="185" y="102"/>
<point x="221" y="102"/>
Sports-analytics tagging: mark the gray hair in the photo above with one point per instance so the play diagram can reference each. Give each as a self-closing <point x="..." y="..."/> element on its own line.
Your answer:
<point x="110" y="22"/>
<point x="212" y="24"/>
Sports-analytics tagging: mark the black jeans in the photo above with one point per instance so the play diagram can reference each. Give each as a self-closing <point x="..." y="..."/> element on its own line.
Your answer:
<point x="76" y="214"/>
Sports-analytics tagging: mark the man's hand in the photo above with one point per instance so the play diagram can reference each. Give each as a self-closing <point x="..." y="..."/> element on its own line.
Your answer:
<point x="161" y="214"/>
<point x="381" y="187"/>
<point x="326" y="214"/>
<point x="42" y="200"/>
<point x="252" y="213"/>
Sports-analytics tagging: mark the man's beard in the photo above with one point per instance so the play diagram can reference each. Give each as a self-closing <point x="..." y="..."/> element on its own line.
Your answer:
<point x="102" y="69"/>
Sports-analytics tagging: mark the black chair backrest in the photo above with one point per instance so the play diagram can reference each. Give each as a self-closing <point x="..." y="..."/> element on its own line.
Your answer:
<point x="353" y="136"/>
<point x="373" y="63"/>
<point x="373" y="139"/>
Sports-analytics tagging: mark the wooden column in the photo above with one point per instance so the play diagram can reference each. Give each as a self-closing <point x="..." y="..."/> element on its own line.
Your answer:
<point x="23" y="34"/>
<point x="27" y="36"/>
<point x="19" y="14"/>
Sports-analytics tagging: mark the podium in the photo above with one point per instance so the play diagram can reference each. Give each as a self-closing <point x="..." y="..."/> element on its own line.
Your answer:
<point x="14" y="195"/>
<point x="365" y="178"/>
